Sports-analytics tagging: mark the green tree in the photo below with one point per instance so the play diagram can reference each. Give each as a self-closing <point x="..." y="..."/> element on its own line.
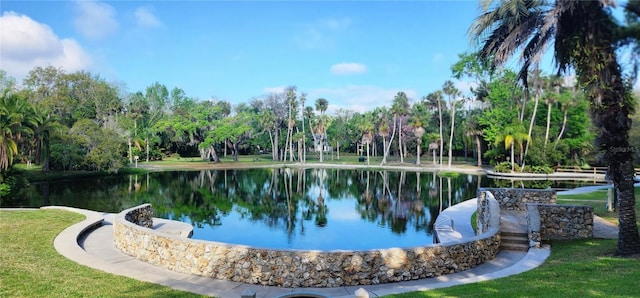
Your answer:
<point x="511" y="136"/>
<point x="434" y="101"/>
<point x="400" y="108"/>
<point x="15" y="120"/>
<point x="233" y="131"/>
<point x="321" y="128"/>
<point x="584" y="35"/>
<point x="452" y="93"/>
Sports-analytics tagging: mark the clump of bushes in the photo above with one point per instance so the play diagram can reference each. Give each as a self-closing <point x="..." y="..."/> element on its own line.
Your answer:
<point x="505" y="167"/>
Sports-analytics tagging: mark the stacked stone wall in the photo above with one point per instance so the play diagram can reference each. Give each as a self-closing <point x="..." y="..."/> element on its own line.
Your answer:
<point x="141" y="216"/>
<point x="517" y="198"/>
<point x="488" y="212"/>
<point x="297" y="268"/>
<point x="565" y="221"/>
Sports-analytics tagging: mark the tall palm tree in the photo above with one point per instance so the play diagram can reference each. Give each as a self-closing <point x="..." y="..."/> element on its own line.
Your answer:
<point x="512" y="135"/>
<point x="538" y="92"/>
<point x="419" y="132"/>
<point x="434" y="101"/>
<point x="452" y="92"/>
<point x="472" y="129"/>
<point x="553" y="83"/>
<point x="400" y="108"/>
<point x="321" y="106"/>
<point x="15" y="120"/>
<point x="584" y="35"/>
<point x="303" y="99"/>
<point x="290" y="95"/>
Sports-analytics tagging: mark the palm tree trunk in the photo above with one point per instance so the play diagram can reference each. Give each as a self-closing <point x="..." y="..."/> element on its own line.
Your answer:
<point x="564" y="125"/>
<point x="479" y="150"/>
<point x="368" y="144"/>
<point x="546" y="133"/>
<point x="453" y="123"/>
<point x="533" y="120"/>
<point x="418" y="152"/>
<point x="275" y="151"/>
<point x="512" y="158"/>
<point x="400" y="140"/>
<point x="441" y="135"/>
<point x="388" y="147"/>
<point x="147" y="147"/>
<point x="130" y="150"/>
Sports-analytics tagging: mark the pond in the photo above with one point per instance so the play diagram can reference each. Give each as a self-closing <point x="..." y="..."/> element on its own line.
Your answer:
<point x="278" y="208"/>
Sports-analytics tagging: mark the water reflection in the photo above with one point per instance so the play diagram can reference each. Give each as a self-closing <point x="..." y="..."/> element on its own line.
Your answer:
<point x="280" y="207"/>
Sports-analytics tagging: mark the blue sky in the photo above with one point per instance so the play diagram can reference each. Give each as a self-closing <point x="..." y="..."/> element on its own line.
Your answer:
<point x="356" y="54"/>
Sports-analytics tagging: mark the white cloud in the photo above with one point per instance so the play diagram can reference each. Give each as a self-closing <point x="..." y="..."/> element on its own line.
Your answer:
<point x="321" y="34"/>
<point x="95" y="20"/>
<point x="27" y="44"/>
<point x="358" y="98"/>
<point x="336" y="24"/>
<point x="348" y="68"/>
<point x="438" y="58"/>
<point x="278" y="89"/>
<point x="146" y="18"/>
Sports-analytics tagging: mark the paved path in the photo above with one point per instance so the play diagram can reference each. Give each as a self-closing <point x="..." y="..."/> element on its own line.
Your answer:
<point x="94" y="247"/>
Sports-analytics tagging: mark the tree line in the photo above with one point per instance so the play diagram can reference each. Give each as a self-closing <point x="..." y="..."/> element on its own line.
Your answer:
<point x="78" y="121"/>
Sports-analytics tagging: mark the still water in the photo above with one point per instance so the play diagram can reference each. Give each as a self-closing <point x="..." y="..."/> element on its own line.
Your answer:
<point x="322" y="209"/>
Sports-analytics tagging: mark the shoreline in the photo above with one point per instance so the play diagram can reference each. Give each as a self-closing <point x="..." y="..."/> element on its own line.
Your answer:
<point x="464" y="169"/>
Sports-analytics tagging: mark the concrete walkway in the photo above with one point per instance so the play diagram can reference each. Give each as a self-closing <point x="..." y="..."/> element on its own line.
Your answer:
<point x="90" y="243"/>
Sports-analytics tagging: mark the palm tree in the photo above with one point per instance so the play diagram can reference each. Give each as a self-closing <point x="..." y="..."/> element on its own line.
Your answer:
<point x="44" y="123"/>
<point x="400" y="108"/>
<point x="419" y="132"/>
<point x="321" y="106"/>
<point x="308" y="114"/>
<point x="538" y="92"/>
<point x="584" y="35"/>
<point x="513" y="134"/>
<point x="472" y="129"/>
<point x="452" y="92"/>
<point x="15" y="120"/>
<point x="554" y="82"/>
<point x="434" y="101"/>
<point x="567" y="101"/>
<point x="383" y="131"/>
<point x="303" y="98"/>
<point x="292" y="104"/>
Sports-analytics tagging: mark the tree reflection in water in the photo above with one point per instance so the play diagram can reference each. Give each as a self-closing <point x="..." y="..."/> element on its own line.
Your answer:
<point x="385" y="206"/>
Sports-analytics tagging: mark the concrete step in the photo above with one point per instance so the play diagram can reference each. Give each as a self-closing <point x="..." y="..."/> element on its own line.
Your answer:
<point x="514" y="246"/>
<point x="518" y="234"/>
<point x="514" y="241"/>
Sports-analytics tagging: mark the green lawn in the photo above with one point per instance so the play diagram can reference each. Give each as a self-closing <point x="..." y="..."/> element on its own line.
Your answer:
<point x="577" y="268"/>
<point x="31" y="267"/>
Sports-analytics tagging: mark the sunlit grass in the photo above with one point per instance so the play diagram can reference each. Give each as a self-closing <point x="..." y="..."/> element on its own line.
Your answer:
<point x="31" y="267"/>
<point x="577" y="268"/>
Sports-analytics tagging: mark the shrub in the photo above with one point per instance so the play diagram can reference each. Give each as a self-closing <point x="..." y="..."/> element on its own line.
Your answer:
<point x="503" y="167"/>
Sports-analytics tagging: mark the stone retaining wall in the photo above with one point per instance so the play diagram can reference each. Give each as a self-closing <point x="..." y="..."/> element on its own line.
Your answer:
<point x="142" y="216"/>
<point x="517" y="198"/>
<point x="550" y="221"/>
<point x="488" y="212"/>
<point x="297" y="268"/>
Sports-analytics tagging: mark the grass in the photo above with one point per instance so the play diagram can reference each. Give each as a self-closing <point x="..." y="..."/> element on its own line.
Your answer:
<point x="35" y="174"/>
<point x="31" y="267"/>
<point x="578" y="268"/>
<point x="596" y="199"/>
